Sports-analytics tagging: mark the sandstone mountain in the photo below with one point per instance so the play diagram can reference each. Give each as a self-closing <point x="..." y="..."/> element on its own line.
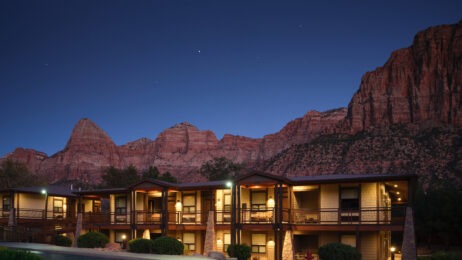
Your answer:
<point x="405" y="117"/>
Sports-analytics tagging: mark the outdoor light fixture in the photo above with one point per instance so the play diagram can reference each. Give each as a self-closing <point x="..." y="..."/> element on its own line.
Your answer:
<point x="43" y="191"/>
<point x="392" y="250"/>
<point x="270" y="202"/>
<point x="399" y="199"/>
<point x="124" y="237"/>
<point x="229" y="184"/>
<point x="396" y="185"/>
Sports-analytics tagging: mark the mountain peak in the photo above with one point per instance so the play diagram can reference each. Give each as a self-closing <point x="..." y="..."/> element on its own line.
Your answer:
<point x="87" y="132"/>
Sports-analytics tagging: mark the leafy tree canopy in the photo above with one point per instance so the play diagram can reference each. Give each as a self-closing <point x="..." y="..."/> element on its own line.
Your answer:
<point x="120" y="178"/>
<point x="220" y="168"/>
<point x="15" y="174"/>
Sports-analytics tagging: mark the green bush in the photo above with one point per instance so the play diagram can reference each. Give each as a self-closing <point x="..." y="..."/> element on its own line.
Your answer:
<point x="60" y="240"/>
<point x="141" y="245"/>
<point x="13" y="254"/>
<point x="92" y="240"/>
<point x="338" y="251"/>
<point x="167" y="246"/>
<point x="241" y="252"/>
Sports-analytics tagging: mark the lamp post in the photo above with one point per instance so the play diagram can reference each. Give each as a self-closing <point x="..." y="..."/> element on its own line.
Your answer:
<point x="392" y="250"/>
<point x="124" y="240"/>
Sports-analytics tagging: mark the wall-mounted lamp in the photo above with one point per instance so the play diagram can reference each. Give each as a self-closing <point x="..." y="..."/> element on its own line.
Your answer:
<point x="229" y="184"/>
<point x="270" y="202"/>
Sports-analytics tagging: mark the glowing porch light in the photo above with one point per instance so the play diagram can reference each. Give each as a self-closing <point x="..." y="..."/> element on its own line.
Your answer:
<point x="229" y="184"/>
<point x="178" y="205"/>
<point x="270" y="202"/>
<point x="43" y="191"/>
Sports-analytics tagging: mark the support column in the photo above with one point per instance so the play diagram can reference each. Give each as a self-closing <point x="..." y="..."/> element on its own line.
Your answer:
<point x="164" y="218"/>
<point x="233" y="217"/>
<point x="78" y="225"/>
<point x="409" y="249"/>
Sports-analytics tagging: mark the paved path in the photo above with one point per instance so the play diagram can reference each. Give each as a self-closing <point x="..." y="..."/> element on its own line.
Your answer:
<point x="88" y="253"/>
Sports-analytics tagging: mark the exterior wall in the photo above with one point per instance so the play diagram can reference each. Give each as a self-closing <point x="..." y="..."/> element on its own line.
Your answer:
<point x="369" y="245"/>
<point x="369" y="199"/>
<point x="140" y="199"/>
<point x="328" y="237"/>
<point x="329" y="196"/>
<point x="32" y="201"/>
<point x="88" y="205"/>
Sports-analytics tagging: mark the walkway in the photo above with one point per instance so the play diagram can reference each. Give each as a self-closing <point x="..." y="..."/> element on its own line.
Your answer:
<point x="93" y="253"/>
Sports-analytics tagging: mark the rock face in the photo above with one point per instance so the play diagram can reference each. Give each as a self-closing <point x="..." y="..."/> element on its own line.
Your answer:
<point x="422" y="83"/>
<point x="405" y="117"/>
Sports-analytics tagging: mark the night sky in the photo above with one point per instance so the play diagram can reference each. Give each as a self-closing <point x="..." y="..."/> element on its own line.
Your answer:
<point x="138" y="67"/>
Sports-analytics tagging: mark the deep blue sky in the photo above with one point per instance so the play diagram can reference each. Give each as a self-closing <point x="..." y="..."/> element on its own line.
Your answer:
<point x="241" y="67"/>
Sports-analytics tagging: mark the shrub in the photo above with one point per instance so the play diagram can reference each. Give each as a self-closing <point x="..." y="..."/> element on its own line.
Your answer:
<point x="241" y="251"/>
<point x="338" y="251"/>
<point x="6" y="253"/>
<point x="141" y="245"/>
<point x="92" y="240"/>
<point x="60" y="240"/>
<point x="167" y="246"/>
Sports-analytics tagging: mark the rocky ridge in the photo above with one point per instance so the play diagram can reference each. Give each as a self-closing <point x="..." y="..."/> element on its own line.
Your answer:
<point x="405" y="117"/>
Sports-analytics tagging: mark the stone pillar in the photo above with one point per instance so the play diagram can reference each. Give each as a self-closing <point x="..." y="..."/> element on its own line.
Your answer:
<point x="12" y="217"/>
<point x="210" y="240"/>
<point x="288" y="246"/>
<point x="78" y="228"/>
<point x="408" y="249"/>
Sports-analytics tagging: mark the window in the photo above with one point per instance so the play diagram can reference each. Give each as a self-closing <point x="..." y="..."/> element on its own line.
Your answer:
<point x="226" y="241"/>
<point x="96" y="206"/>
<point x="189" y="203"/>
<point x="258" y="200"/>
<point x="189" y="241"/>
<point x="349" y="198"/>
<point x="348" y="239"/>
<point x="121" y="205"/>
<point x="58" y="206"/>
<point x="227" y="202"/>
<point x="6" y="203"/>
<point x="259" y="243"/>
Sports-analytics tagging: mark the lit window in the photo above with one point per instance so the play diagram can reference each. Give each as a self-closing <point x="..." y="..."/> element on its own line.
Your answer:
<point x="259" y="243"/>
<point x="189" y="203"/>
<point x="226" y="242"/>
<point x="189" y="241"/>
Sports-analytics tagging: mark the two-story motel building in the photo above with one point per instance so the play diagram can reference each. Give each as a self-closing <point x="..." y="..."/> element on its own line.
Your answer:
<point x="279" y="217"/>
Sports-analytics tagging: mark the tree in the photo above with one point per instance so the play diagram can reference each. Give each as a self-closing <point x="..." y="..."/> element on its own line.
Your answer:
<point x="166" y="176"/>
<point x="116" y="178"/>
<point x="220" y="168"/>
<point x="437" y="212"/>
<point x="15" y="174"/>
<point x="151" y="173"/>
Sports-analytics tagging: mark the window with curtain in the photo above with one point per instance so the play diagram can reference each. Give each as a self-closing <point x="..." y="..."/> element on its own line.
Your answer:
<point x="258" y="200"/>
<point x="189" y="203"/>
<point x="58" y="206"/>
<point x="189" y="241"/>
<point x="259" y="243"/>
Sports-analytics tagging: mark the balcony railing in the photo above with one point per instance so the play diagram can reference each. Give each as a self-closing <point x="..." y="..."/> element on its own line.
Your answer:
<point x="181" y="217"/>
<point x="325" y="216"/>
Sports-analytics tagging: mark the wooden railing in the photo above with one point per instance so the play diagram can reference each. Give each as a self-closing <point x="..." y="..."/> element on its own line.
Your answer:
<point x="325" y="216"/>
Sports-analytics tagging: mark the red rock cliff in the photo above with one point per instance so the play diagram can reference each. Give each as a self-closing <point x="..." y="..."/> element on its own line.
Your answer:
<point x="422" y="83"/>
